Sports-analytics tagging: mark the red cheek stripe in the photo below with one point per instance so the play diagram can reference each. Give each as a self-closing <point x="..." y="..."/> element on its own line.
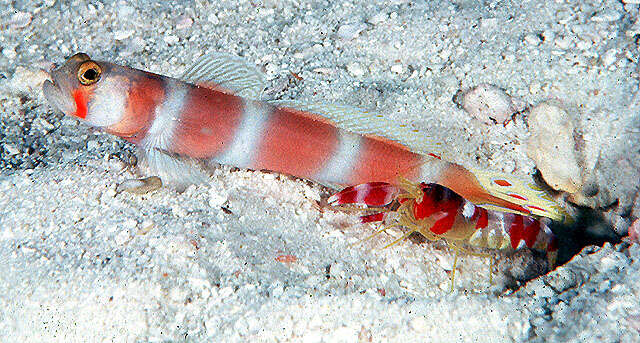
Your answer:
<point x="81" y="103"/>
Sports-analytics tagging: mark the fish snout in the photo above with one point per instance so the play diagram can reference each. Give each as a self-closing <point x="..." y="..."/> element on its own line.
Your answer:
<point x="57" y="97"/>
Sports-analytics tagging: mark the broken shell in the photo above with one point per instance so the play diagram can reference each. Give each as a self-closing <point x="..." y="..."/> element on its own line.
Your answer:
<point x="552" y="147"/>
<point x="140" y="186"/>
<point x="487" y="103"/>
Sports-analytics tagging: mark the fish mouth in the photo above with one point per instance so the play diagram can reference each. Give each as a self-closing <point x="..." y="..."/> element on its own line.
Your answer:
<point x="57" y="96"/>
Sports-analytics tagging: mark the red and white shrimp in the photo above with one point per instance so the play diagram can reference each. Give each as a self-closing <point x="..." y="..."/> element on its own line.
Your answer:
<point x="438" y="213"/>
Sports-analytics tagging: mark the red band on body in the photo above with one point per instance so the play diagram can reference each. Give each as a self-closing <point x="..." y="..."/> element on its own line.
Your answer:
<point x="384" y="160"/>
<point x="295" y="143"/>
<point x="208" y="122"/>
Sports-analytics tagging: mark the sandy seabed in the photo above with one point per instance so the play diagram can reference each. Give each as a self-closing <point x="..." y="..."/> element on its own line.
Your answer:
<point x="250" y="256"/>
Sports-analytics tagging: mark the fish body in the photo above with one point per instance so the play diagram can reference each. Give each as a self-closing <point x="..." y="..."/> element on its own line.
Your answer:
<point x="217" y="116"/>
<point x="161" y="113"/>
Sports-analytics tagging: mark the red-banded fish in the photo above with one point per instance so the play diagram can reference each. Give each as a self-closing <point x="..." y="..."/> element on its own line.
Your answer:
<point x="215" y="113"/>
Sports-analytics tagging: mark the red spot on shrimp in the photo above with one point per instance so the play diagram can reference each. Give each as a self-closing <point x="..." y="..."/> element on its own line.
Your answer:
<point x="531" y="232"/>
<point x="482" y="216"/>
<point x="516" y="232"/>
<point x="80" y="98"/>
<point x="434" y="156"/>
<point x="537" y="208"/>
<point x="444" y="224"/>
<point x="376" y="217"/>
<point x="503" y="183"/>
<point x="517" y="196"/>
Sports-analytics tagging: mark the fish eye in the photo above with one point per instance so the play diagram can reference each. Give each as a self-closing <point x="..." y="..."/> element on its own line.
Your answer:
<point x="89" y="73"/>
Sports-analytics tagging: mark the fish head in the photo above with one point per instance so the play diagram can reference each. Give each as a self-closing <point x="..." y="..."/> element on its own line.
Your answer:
<point x="92" y="91"/>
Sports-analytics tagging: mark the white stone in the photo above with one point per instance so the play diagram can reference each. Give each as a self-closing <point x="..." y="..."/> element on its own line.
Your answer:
<point x="563" y="42"/>
<point x="397" y="68"/>
<point x="419" y="324"/>
<point x="122" y="237"/>
<point x="606" y="16"/>
<point x="532" y="39"/>
<point x="552" y="147"/>
<point x="378" y="18"/>
<point x="355" y="69"/>
<point x="609" y="57"/>
<point x="217" y="197"/>
<point x="171" y="39"/>
<point x="11" y="149"/>
<point x="122" y="34"/>
<point x="584" y="45"/>
<point x="213" y="18"/>
<point x="184" y="22"/>
<point x="9" y="52"/>
<point x="351" y="31"/>
<point x="20" y="19"/>
<point x="486" y="102"/>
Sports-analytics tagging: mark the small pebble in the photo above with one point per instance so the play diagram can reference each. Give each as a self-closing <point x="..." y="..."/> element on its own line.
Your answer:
<point x="532" y="39"/>
<point x="11" y="149"/>
<point x="217" y="198"/>
<point x="9" y="52"/>
<point x="92" y="145"/>
<point x="397" y="68"/>
<point x="419" y="324"/>
<point x="145" y="227"/>
<point x="213" y="18"/>
<point x="609" y="57"/>
<point x="122" y="34"/>
<point x="26" y="80"/>
<point x="355" y="69"/>
<point x="486" y="103"/>
<point x="606" y="16"/>
<point x="563" y="42"/>
<point x="378" y="18"/>
<point x="184" y="22"/>
<point x="584" y="45"/>
<point x="489" y="23"/>
<point x="140" y="186"/>
<point x="124" y="9"/>
<point x="171" y="39"/>
<point x="552" y="148"/>
<point x="122" y="237"/>
<point x="351" y="31"/>
<point x="20" y="19"/>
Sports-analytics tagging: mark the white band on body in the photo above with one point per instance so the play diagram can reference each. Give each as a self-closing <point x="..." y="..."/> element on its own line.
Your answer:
<point x="343" y="160"/>
<point x="248" y="135"/>
<point x="167" y="117"/>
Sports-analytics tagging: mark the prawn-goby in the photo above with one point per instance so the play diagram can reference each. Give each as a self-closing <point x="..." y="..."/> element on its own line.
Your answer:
<point x="215" y="113"/>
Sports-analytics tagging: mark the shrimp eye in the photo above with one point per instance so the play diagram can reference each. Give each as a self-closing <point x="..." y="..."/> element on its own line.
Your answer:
<point x="89" y="73"/>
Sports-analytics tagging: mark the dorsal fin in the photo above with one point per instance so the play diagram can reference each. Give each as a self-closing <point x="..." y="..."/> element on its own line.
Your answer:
<point x="363" y="122"/>
<point x="224" y="71"/>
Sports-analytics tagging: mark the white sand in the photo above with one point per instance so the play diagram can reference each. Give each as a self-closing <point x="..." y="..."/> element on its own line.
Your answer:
<point x="82" y="264"/>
